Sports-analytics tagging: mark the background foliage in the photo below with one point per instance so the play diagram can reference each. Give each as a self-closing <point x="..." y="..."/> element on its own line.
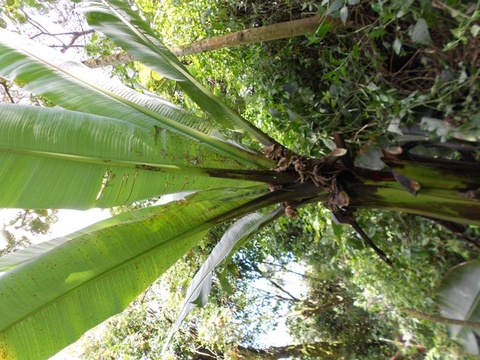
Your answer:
<point x="403" y="70"/>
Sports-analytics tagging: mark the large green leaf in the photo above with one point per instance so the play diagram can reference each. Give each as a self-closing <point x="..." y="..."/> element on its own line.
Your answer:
<point x="73" y="86"/>
<point x="234" y="237"/>
<point x="53" y="158"/>
<point x="123" y="25"/>
<point x="51" y="300"/>
<point x="18" y="257"/>
<point x="459" y="299"/>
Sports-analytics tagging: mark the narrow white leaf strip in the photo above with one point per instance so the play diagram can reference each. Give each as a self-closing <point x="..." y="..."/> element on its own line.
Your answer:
<point x="197" y="293"/>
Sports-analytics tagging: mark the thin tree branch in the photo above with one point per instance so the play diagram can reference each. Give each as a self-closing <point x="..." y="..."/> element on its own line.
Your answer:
<point x="310" y="311"/>
<point x="35" y="24"/>
<point x="271" y="295"/>
<point x="67" y="33"/>
<point x="370" y="243"/>
<point x="441" y="320"/>
<point x="3" y="82"/>
<point x="65" y="47"/>
<point x="285" y="269"/>
<point x="43" y="31"/>
<point x="459" y="230"/>
<point x="75" y="37"/>
<point x="274" y="284"/>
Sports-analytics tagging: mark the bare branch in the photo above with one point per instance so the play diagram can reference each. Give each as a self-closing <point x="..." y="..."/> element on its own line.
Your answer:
<point x="274" y="284"/>
<point x="76" y="35"/>
<point x="3" y="82"/>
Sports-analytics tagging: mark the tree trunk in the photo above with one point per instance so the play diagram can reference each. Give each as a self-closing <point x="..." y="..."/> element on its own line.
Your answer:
<point x="431" y="187"/>
<point x="283" y="30"/>
<point x="109" y="60"/>
<point x="322" y="350"/>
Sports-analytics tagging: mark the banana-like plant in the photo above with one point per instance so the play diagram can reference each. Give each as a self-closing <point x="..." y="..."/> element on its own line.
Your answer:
<point x="106" y="145"/>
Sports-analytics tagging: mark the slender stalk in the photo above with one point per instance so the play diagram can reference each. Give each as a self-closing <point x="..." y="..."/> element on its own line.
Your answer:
<point x="278" y="31"/>
<point x="441" y="320"/>
<point x="284" y="30"/>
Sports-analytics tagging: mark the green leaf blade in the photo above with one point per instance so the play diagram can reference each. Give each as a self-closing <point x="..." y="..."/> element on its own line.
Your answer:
<point x="56" y="159"/>
<point x="459" y="298"/>
<point x="234" y="237"/>
<point x="50" y="300"/>
<point x="123" y="25"/>
<point x="73" y="86"/>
